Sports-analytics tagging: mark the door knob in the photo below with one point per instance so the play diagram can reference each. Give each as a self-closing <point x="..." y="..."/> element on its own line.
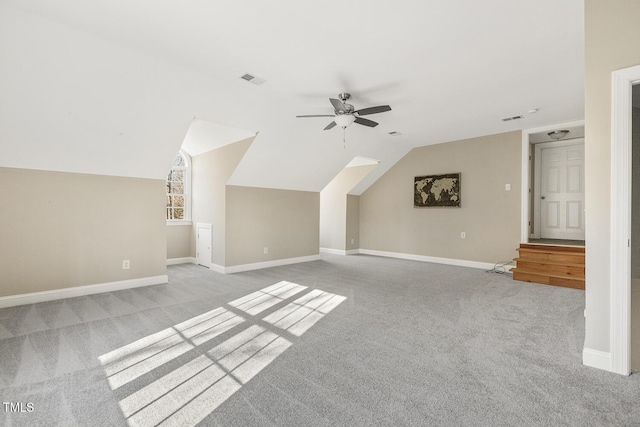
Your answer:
<point x="542" y="197"/>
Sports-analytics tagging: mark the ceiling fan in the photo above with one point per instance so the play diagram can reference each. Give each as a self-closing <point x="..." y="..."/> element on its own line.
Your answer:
<point x="345" y="114"/>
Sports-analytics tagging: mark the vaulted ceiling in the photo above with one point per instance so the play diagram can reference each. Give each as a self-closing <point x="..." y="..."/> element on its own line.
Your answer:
<point x="112" y="87"/>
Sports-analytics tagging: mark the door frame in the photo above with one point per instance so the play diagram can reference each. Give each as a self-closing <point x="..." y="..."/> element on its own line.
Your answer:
<point x="537" y="213"/>
<point x="620" y="223"/>
<point x="526" y="189"/>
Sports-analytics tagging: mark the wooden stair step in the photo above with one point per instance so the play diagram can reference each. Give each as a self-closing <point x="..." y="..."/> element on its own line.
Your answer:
<point x="570" y="257"/>
<point x="544" y="267"/>
<point x="551" y="265"/>
<point x="574" y="282"/>
<point x="549" y="261"/>
<point x="558" y="275"/>
<point x="554" y="248"/>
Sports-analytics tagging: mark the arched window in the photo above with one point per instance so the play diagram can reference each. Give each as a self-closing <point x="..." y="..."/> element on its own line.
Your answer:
<point x="179" y="190"/>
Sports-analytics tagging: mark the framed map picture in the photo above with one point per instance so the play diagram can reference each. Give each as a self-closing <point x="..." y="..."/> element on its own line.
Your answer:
<point x="437" y="190"/>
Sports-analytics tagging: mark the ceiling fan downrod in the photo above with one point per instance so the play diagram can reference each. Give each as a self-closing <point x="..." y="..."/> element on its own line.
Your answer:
<point x="344" y="138"/>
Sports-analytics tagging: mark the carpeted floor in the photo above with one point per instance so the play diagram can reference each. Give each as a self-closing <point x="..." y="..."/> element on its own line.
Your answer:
<point x="386" y="342"/>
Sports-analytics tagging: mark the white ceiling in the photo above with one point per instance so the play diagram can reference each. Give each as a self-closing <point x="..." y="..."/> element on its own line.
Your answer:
<point x="450" y="70"/>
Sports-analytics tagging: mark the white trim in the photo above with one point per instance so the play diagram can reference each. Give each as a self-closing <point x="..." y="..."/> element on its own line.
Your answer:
<point x="424" y="258"/>
<point x="596" y="359"/>
<point x="525" y="186"/>
<point x="217" y="268"/>
<point x="620" y="226"/>
<point x="268" y="264"/>
<point x="184" y="260"/>
<point x="339" y="251"/>
<point x="78" y="291"/>
<point x="526" y="176"/>
<point x="333" y="251"/>
<point x="173" y="222"/>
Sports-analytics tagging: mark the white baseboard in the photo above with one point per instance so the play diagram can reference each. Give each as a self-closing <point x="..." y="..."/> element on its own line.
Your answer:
<point x="424" y="258"/>
<point x="266" y="264"/>
<point x="217" y="268"/>
<point x="78" y="291"/>
<point x="597" y="359"/>
<point x="184" y="260"/>
<point x="339" y="251"/>
<point x="333" y="251"/>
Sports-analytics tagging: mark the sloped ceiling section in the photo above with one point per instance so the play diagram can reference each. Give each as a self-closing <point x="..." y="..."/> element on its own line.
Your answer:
<point x="73" y="102"/>
<point x="112" y="87"/>
<point x="205" y="136"/>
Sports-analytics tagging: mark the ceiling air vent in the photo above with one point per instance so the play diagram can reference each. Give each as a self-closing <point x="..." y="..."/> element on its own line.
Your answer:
<point x="508" y="119"/>
<point x="253" y="79"/>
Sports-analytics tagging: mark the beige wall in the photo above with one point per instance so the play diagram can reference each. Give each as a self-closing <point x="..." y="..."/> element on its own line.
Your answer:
<point x="353" y="222"/>
<point x="612" y="42"/>
<point x="59" y="230"/>
<point x="285" y="221"/>
<point x="179" y="241"/>
<point x="489" y="215"/>
<point x="209" y="175"/>
<point x="333" y="206"/>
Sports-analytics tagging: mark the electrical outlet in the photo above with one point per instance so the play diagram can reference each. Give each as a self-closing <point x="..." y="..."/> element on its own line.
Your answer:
<point x="353" y="241"/>
<point x="266" y="250"/>
<point x="126" y="264"/>
<point x="463" y="235"/>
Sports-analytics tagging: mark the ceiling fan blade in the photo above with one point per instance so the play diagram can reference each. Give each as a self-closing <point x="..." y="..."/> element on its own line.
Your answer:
<point x="330" y="125"/>
<point x="337" y="104"/>
<point x="317" y="115"/>
<point x="366" y="122"/>
<point x="374" y="110"/>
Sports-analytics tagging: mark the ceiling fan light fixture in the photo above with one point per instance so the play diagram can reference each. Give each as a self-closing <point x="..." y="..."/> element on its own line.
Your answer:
<point x="344" y="120"/>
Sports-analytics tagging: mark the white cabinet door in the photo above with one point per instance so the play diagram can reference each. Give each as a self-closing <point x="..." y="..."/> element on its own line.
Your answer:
<point x="203" y="237"/>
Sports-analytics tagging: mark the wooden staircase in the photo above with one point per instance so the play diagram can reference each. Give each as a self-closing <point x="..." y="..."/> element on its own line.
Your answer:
<point x="550" y="265"/>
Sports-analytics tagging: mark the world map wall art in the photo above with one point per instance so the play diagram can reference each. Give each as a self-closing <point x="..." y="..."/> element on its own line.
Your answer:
<point x="437" y="191"/>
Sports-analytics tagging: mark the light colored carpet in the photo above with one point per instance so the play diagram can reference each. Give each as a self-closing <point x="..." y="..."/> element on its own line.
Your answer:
<point x="412" y="344"/>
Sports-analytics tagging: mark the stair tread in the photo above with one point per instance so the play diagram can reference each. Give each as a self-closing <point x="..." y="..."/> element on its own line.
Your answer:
<point x="557" y="248"/>
<point x="552" y="262"/>
<point x="550" y="251"/>
<point x="540" y="273"/>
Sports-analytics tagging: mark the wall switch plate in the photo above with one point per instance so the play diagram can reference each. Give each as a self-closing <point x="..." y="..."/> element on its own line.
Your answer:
<point x="126" y="264"/>
<point x="266" y="250"/>
<point x="463" y="235"/>
<point x="507" y="187"/>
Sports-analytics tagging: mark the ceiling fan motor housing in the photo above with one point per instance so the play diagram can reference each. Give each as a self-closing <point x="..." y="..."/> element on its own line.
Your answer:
<point x="346" y="114"/>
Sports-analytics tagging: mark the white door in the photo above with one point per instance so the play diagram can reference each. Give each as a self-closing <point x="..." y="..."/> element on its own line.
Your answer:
<point x="562" y="192"/>
<point x="203" y="247"/>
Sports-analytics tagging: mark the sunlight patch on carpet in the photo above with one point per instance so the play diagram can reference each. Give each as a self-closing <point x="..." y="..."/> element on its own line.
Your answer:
<point x="189" y="393"/>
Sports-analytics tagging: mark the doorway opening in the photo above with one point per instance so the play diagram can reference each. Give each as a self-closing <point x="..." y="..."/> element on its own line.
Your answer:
<point x="555" y="185"/>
